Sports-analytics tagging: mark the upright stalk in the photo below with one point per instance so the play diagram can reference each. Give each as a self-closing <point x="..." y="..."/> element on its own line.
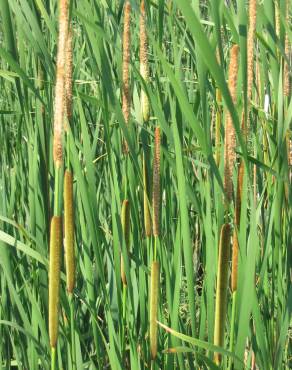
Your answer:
<point x="56" y="222"/>
<point x="224" y="245"/>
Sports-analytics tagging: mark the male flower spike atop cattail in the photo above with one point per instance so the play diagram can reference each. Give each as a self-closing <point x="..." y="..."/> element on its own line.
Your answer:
<point x="230" y="136"/>
<point x="60" y="83"/>
<point x="144" y="68"/>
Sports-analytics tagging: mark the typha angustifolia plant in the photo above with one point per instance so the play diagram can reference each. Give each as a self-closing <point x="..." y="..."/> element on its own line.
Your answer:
<point x="56" y="222"/>
<point x="245" y="124"/>
<point x="145" y="110"/>
<point x="154" y="285"/>
<point x="126" y="109"/>
<point x="224" y="243"/>
<point x="68" y="190"/>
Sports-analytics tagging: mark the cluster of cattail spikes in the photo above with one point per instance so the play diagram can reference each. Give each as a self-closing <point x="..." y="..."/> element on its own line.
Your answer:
<point x="62" y="112"/>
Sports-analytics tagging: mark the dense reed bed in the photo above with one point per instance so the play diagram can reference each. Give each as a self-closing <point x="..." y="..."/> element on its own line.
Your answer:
<point x="145" y="181"/>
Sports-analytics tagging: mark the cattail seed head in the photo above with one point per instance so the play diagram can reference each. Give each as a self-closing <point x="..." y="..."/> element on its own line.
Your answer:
<point x="221" y="289"/>
<point x="69" y="230"/>
<point x="68" y="76"/>
<point x="126" y="61"/>
<point x="154" y="292"/>
<point x="60" y="83"/>
<point x="125" y="220"/>
<point x="54" y="278"/>
<point x="230" y="136"/>
<point x="144" y="68"/>
<point x="156" y="183"/>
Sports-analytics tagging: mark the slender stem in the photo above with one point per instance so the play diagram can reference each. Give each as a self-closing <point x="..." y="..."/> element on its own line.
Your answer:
<point x="72" y="323"/>
<point x="232" y="327"/>
<point x="53" y="358"/>
<point x="124" y="302"/>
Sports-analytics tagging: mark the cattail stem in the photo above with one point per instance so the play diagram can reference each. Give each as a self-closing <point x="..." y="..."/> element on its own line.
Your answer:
<point x="69" y="231"/>
<point x="154" y="292"/>
<point x="221" y="289"/>
<point x="72" y="323"/>
<point x="53" y="358"/>
<point x="232" y="325"/>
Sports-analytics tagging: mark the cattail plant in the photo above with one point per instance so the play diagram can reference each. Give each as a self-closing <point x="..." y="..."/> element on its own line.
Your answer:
<point x="69" y="231"/>
<point x="224" y="245"/>
<point x="126" y="98"/>
<point x="154" y="290"/>
<point x="55" y="237"/>
<point x="145" y="108"/>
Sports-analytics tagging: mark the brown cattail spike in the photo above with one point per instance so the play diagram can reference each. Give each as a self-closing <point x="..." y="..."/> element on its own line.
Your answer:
<point x="125" y="219"/>
<point x="126" y="61"/>
<point x="221" y="289"/>
<point x="68" y="76"/>
<point x="156" y="183"/>
<point x="54" y="278"/>
<point x="154" y="292"/>
<point x="69" y="230"/>
<point x="144" y="69"/>
<point x="60" y="83"/>
<point x="230" y="137"/>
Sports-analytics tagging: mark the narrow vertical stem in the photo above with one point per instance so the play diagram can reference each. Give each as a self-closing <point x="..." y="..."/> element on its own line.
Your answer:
<point x="72" y="324"/>
<point x="231" y="348"/>
<point x="53" y="358"/>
